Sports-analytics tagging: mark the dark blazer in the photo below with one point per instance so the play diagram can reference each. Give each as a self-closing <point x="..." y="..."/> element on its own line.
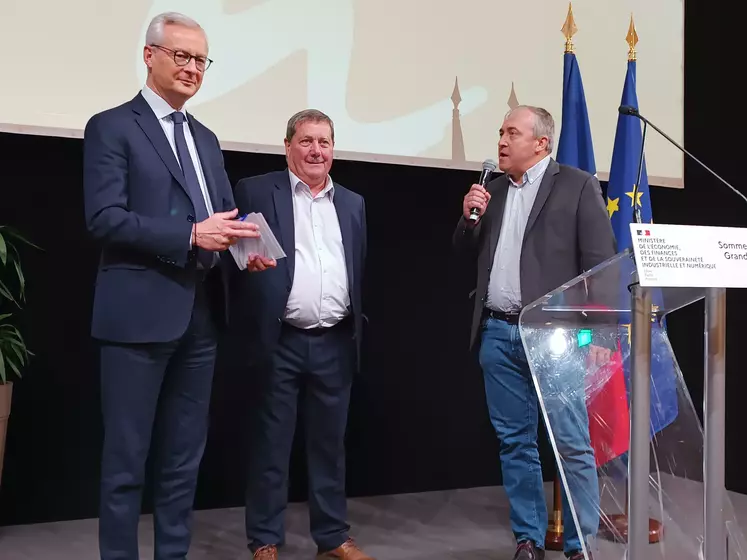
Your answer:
<point x="568" y="232"/>
<point x="138" y="209"/>
<point x="260" y="298"/>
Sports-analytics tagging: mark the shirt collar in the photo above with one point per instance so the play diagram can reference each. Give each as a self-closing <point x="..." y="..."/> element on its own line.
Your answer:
<point x="328" y="188"/>
<point x="533" y="173"/>
<point x="158" y="104"/>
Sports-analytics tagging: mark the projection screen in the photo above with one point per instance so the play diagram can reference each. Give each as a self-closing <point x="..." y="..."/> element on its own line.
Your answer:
<point x="406" y="81"/>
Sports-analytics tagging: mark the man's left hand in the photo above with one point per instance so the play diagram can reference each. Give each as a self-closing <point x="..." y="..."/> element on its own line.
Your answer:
<point x="257" y="263"/>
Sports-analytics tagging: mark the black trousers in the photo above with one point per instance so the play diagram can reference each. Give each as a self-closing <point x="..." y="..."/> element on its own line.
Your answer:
<point x="322" y="362"/>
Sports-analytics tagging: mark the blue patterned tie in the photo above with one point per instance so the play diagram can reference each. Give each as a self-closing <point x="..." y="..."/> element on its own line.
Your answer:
<point x="193" y="184"/>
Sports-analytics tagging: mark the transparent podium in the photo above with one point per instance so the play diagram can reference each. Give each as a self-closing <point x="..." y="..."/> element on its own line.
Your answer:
<point x="643" y="480"/>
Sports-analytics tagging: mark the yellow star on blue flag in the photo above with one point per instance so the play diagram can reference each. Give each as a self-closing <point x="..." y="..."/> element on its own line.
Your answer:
<point x="613" y="205"/>
<point x="638" y="196"/>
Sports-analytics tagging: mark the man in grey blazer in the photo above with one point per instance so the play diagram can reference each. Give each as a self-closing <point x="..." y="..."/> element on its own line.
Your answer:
<point x="547" y="225"/>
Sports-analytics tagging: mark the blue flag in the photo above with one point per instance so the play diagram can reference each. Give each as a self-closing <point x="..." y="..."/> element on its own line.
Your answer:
<point x="620" y="206"/>
<point x="608" y="408"/>
<point x="575" y="147"/>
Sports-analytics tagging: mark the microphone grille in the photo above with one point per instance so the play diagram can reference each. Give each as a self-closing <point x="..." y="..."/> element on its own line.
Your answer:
<point x="489" y="165"/>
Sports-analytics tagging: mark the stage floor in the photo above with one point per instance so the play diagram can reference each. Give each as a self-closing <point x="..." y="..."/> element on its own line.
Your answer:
<point x="467" y="524"/>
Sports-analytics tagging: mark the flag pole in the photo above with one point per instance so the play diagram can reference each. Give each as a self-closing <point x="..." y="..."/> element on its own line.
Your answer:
<point x="616" y="526"/>
<point x="554" y="534"/>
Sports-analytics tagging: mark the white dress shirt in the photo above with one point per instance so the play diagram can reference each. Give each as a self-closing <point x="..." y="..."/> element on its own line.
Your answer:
<point x="163" y="111"/>
<point x="319" y="296"/>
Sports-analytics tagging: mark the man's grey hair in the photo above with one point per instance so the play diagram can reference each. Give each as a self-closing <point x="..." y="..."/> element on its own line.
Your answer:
<point x="544" y="124"/>
<point x="154" y="34"/>
<point x="307" y="115"/>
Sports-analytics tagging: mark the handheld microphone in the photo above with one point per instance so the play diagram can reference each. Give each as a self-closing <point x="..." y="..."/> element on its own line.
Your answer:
<point x="488" y="166"/>
<point x="633" y="112"/>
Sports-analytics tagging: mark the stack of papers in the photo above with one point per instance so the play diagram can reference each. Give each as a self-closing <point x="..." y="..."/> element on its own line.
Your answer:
<point x="265" y="246"/>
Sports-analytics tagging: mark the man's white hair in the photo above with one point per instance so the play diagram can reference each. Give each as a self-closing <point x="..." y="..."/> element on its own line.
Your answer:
<point x="154" y="34"/>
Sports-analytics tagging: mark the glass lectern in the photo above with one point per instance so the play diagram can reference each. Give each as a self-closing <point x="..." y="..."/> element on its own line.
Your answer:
<point x="642" y="478"/>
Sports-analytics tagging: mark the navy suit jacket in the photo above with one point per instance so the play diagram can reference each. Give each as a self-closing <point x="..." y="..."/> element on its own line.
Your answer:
<point x="261" y="297"/>
<point x="138" y="209"/>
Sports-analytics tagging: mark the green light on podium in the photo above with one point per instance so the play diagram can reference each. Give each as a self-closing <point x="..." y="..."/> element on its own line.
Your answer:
<point x="584" y="337"/>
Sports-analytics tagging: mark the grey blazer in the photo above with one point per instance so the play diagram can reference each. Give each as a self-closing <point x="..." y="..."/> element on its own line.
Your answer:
<point x="568" y="232"/>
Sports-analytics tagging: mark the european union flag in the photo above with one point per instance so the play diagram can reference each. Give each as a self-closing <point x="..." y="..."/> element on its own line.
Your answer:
<point x="622" y="197"/>
<point x="575" y="147"/>
<point x="607" y="408"/>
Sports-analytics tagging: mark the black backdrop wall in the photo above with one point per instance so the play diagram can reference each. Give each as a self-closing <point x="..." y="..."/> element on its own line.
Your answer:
<point x="418" y="418"/>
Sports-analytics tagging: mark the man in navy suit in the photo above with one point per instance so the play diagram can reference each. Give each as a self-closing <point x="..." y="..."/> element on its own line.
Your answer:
<point x="158" y="201"/>
<point x="301" y="319"/>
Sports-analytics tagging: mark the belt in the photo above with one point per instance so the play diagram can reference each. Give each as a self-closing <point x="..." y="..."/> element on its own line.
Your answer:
<point x="318" y="331"/>
<point x="506" y="316"/>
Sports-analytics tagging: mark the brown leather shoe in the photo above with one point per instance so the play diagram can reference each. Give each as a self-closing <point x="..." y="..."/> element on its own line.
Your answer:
<point x="346" y="551"/>
<point x="268" y="552"/>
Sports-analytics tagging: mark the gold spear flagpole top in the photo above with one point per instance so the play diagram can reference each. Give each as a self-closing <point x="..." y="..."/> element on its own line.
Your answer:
<point x="569" y="29"/>
<point x="632" y="39"/>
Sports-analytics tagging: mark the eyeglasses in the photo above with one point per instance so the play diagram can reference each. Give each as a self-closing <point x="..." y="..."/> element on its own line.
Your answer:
<point x="182" y="58"/>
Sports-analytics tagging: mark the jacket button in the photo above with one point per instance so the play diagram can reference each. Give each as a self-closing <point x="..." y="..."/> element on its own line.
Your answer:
<point x="190" y="218"/>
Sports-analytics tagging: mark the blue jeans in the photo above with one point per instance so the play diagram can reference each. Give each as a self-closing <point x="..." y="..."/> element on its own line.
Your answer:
<point x="513" y="408"/>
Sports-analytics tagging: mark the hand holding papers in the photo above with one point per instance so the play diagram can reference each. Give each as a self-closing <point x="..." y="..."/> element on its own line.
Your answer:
<point x="266" y="245"/>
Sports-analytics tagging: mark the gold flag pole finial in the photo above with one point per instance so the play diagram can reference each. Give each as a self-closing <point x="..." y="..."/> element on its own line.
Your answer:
<point x="569" y="29"/>
<point x="632" y="39"/>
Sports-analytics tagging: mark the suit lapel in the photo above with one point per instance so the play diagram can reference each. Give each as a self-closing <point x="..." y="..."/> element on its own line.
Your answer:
<point x="498" y="206"/>
<point x="202" y="143"/>
<point x="346" y="230"/>
<point x="152" y="129"/>
<point x="283" y="199"/>
<point x="544" y="191"/>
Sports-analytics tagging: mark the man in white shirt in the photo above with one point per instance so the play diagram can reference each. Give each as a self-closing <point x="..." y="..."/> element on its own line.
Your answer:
<point x="301" y="321"/>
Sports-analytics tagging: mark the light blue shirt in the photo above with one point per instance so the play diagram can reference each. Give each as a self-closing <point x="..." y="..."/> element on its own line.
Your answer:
<point x="504" y="287"/>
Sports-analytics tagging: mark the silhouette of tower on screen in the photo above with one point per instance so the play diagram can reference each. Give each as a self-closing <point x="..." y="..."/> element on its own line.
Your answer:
<point x="513" y="102"/>
<point x="457" y="139"/>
